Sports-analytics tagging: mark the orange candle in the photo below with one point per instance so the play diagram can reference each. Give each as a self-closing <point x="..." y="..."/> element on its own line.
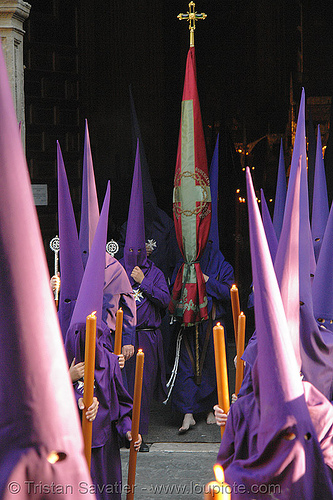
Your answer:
<point x="235" y="308"/>
<point x="118" y="332"/>
<point x="213" y="490"/>
<point x="89" y="376"/>
<point x="240" y="350"/>
<point x="218" y="490"/>
<point x="221" y="370"/>
<point x="135" y="423"/>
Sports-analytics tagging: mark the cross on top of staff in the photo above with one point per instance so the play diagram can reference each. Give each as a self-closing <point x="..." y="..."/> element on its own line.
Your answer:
<point x="192" y="17"/>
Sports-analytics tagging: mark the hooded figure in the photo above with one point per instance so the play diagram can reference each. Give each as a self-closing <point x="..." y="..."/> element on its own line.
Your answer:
<point x="71" y="267"/>
<point x="113" y="417"/>
<point x="322" y="291"/>
<point x="320" y="208"/>
<point x="117" y="289"/>
<point x="191" y="392"/>
<point x="286" y="460"/>
<point x="40" y="437"/>
<point x="89" y="200"/>
<point x="307" y="257"/>
<point x="280" y="194"/>
<point x="316" y="342"/>
<point x="118" y="294"/>
<point x="160" y="236"/>
<point x="152" y="298"/>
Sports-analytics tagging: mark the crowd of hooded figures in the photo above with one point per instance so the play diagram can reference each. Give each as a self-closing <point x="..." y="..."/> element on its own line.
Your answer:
<point x="271" y="437"/>
<point x="279" y="429"/>
<point x="135" y="283"/>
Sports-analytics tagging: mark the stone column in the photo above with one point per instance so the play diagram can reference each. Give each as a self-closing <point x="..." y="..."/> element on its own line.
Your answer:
<point x="13" y="13"/>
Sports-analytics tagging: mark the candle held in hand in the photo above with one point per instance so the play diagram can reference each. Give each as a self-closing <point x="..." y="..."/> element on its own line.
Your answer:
<point x="89" y="376"/>
<point x="221" y="370"/>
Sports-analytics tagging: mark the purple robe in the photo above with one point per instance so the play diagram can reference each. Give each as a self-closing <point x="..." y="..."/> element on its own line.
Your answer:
<point x="187" y="396"/>
<point x="152" y="298"/>
<point x="239" y="440"/>
<point x="240" y="436"/>
<point x="289" y="455"/>
<point x="249" y="356"/>
<point x="118" y="293"/>
<point x="113" y="416"/>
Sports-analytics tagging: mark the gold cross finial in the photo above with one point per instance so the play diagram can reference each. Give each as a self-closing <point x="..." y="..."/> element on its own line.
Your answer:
<point x="192" y="17"/>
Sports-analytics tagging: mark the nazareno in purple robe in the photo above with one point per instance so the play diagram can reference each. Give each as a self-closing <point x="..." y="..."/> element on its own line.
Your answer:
<point x="288" y="456"/>
<point x="239" y="440"/>
<point x="113" y="418"/>
<point x="152" y="298"/>
<point x="187" y="396"/>
<point x="118" y="293"/>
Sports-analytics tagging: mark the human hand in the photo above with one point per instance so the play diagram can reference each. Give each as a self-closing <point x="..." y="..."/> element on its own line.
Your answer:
<point x="55" y="282"/>
<point x="233" y="398"/>
<point x="127" y="351"/>
<point x="121" y="360"/>
<point x="76" y="371"/>
<point x="220" y="416"/>
<point x="92" y="410"/>
<point x="137" y="443"/>
<point x="148" y="249"/>
<point x="137" y="274"/>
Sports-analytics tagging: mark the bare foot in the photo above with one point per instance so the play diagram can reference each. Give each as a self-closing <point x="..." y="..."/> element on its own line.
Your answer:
<point x="210" y="418"/>
<point x="187" y="423"/>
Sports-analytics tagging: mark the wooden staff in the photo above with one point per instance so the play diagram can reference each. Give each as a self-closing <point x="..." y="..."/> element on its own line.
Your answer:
<point x="135" y="423"/>
<point x="240" y="350"/>
<point x="235" y="308"/>
<point x="118" y="332"/>
<point x="221" y="370"/>
<point x="89" y="376"/>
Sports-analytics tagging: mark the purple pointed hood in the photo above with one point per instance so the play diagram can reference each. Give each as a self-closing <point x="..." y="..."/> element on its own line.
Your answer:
<point x="322" y="287"/>
<point x="213" y="181"/>
<point x="320" y="209"/>
<point x="148" y="190"/>
<point x="71" y="267"/>
<point x="268" y="225"/>
<point x="316" y="342"/>
<point x="90" y="299"/>
<point x="288" y="453"/>
<point x="286" y="264"/>
<point x="286" y="267"/>
<point x="41" y="414"/>
<point x="135" y="248"/>
<point x="307" y="258"/>
<point x="89" y="201"/>
<point x="311" y="142"/>
<point x="90" y="296"/>
<point x="280" y="194"/>
<point x="299" y="147"/>
<point x="274" y="349"/>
